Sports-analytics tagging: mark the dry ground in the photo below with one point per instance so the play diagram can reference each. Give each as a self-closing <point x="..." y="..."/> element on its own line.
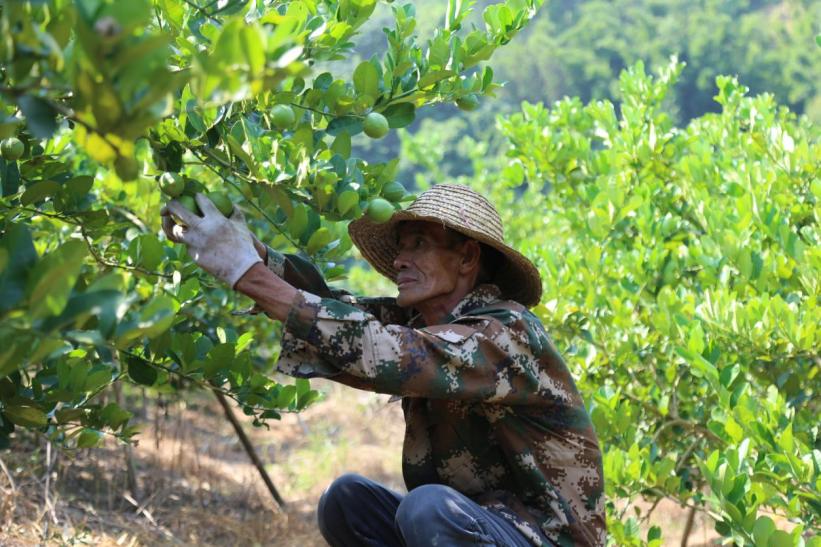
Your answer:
<point x="196" y="486"/>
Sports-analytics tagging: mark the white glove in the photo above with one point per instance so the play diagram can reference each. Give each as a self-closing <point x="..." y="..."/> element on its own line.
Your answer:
<point x="224" y="247"/>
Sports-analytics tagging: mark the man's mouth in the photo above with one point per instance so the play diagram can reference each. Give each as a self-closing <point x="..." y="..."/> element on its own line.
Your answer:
<point x="401" y="281"/>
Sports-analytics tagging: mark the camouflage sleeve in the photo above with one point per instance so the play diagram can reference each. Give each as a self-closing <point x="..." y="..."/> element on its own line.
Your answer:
<point x="477" y="358"/>
<point x="299" y="272"/>
<point x="303" y="274"/>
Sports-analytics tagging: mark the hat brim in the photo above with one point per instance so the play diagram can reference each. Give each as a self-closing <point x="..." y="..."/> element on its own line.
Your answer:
<point x="518" y="278"/>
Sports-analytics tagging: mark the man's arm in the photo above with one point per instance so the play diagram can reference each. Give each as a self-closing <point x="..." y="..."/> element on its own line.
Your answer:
<point x="477" y="359"/>
<point x="272" y="294"/>
<point x="297" y="271"/>
<point x="304" y="275"/>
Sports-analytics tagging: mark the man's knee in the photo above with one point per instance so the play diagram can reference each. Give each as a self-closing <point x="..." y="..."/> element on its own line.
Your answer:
<point x="433" y="510"/>
<point x="344" y="490"/>
<point x="421" y="504"/>
<point x="354" y="508"/>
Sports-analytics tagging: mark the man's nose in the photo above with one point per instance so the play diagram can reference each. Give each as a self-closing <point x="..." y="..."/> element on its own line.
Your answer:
<point x="401" y="261"/>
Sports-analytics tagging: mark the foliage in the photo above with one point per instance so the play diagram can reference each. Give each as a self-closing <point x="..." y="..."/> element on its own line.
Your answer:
<point x="577" y="48"/>
<point x="583" y="46"/>
<point x="682" y="270"/>
<point x="109" y="96"/>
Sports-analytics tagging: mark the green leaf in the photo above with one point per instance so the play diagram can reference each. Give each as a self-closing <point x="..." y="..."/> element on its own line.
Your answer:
<point x="53" y="278"/>
<point x="701" y="366"/>
<point x="39" y="191"/>
<point x="239" y="151"/>
<point x="319" y="239"/>
<point x="349" y="124"/>
<point x="105" y="305"/>
<point x="64" y="415"/>
<point x="88" y="438"/>
<point x="9" y="177"/>
<point x="762" y="530"/>
<point x="286" y="397"/>
<point x="400" y="115"/>
<point x="342" y="145"/>
<point x="151" y="251"/>
<point x="303" y="386"/>
<point x="154" y="319"/>
<point x="298" y="221"/>
<point x="434" y="76"/>
<point x="306" y="399"/>
<point x="780" y="538"/>
<point x="21" y="257"/>
<point x="41" y="117"/>
<point x="366" y="79"/>
<point x="79" y="186"/>
<point x="244" y="341"/>
<point x="115" y="416"/>
<point x="346" y="201"/>
<point x="140" y="371"/>
<point x="220" y="358"/>
<point x="189" y="289"/>
<point x="253" y="47"/>
<point x="97" y="378"/>
<point x="26" y="416"/>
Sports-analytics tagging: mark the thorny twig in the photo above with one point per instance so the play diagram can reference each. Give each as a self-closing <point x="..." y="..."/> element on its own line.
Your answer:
<point x="47" y="485"/>
<point x="103" y="262"/>
<point x="8" y="476"/>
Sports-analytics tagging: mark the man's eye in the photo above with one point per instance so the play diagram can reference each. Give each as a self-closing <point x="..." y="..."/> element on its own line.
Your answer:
<point x="412" y="244"/>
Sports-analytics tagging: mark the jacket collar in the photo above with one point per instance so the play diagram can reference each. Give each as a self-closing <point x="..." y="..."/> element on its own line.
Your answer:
<point x="479" y="297"/>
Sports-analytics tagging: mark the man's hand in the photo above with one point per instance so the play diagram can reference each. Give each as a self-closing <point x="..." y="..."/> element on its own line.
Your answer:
<point x="224" y="247"/>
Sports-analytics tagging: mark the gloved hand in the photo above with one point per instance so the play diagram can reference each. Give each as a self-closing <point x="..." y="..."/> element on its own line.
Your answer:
<point x="224" y="247"/>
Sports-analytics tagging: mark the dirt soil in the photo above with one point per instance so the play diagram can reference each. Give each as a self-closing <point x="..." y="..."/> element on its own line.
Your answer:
<point x="193" y="484"/>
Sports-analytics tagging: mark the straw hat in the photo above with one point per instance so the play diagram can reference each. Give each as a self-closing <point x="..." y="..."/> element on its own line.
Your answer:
<point x="465" y="211"/>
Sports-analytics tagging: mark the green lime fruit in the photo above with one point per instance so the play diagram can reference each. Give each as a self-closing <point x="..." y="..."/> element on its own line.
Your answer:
<point x="11" y="149"/>
<point x="468" y="103"/>
<point x="376" y="125"/>
<point x="282" y="116"/>
<point x="393" y="191"/>
<point x="380" y="210"/>
<point x="126" y="167"/>
<point x="172" y="184"/>
<point x="223" y="203"/>
<point x="190" y="203"/>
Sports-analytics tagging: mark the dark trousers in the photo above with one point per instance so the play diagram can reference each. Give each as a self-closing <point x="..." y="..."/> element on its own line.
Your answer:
<point x="355" y="511"/>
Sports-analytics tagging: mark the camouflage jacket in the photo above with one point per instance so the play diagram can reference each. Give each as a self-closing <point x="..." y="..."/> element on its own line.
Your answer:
<point x="490" y="407"/>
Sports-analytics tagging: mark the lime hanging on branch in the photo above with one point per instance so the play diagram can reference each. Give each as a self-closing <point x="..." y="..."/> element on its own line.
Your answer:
<point x="282" y="116"/>
<point x="222" y="202"/>
<point x="468" y="103"/>
<point x="172" y="184"/>
<point x="379" y="210"/>
<point x="393" y="191"/>
<point x="11" y="149"/>
<point x="376" y="125"/>
<point x="127" y="168"/>
<point x="190" y="203"/>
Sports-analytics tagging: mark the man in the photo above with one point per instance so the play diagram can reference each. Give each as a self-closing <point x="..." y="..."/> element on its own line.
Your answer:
<point x="499" y="449"/>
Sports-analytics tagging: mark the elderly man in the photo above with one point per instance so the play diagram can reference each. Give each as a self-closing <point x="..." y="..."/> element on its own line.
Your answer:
<point x="499" y="449"/>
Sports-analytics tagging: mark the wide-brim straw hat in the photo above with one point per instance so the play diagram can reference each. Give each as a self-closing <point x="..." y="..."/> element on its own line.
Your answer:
<point x="465" y="211"/>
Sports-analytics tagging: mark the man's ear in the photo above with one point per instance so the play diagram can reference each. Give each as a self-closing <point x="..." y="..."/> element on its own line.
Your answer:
<point x="471" y="254"/>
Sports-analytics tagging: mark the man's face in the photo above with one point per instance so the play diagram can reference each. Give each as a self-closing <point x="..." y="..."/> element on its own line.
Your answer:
<point x="428" y="263"/>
